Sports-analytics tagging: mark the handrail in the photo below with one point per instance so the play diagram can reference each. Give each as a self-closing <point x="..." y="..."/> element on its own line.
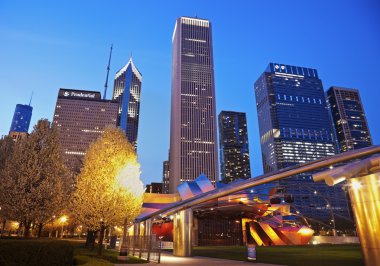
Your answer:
<point x="263" y="179"/>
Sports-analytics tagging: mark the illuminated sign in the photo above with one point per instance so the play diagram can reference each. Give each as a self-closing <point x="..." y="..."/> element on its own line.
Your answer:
<point x="78" y="94"/>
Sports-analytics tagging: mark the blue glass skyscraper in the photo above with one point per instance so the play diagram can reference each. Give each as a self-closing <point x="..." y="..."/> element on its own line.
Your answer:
<point x="295" y="128"/>
<point x="127" y="91"/>
<point x="21" y="118"/>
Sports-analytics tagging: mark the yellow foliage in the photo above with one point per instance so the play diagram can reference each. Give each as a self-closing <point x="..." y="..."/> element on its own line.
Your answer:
<point x="108" y="182"/>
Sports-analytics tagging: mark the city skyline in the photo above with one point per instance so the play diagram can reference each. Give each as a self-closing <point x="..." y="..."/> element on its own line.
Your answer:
<point x="249" y="60"/>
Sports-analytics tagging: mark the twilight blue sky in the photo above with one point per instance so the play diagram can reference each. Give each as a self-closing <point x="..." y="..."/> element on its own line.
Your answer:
<point x="46" y="45"/>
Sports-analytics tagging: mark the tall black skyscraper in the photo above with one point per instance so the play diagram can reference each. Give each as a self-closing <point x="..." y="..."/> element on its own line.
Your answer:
<point x="350" y="122"/>
<point x="127" y="91"/>
<point x="193" y="147"/>
<point x="234" y="151"/>
<point x="295" y="127"/>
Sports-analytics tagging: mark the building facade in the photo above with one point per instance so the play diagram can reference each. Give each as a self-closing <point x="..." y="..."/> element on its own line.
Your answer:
<point x="234" y="150"/>
<point x="80" y="118"/>
<point x="295" y="127"/>
<point x="127" y="91"/>
<point x="21" y="118"/>
<point x="165" y="177"/>
<point x="349" y="119"/>
<point x="193" y="148"/>
<point x="154" y="188"/>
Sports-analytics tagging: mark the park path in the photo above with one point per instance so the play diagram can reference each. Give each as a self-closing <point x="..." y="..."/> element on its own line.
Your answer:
<point x="168" y="259"/>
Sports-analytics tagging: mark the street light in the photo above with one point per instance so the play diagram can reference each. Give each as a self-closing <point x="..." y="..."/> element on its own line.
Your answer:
<point x="62" y="220"/>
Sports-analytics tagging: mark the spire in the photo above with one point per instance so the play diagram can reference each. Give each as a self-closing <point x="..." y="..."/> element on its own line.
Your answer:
<point x="31" y="97"/>
<point x="108" y="72"/>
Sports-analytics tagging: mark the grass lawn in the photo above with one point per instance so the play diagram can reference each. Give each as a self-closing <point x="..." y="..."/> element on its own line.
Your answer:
<point x="85" y="257"/>
<point x="320" y="255"/>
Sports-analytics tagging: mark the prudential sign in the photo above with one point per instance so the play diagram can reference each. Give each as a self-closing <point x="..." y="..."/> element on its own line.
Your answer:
<point x="78" y="94"/>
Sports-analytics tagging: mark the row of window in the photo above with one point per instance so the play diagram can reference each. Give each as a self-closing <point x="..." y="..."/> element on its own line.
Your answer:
<point x="298" y="99"/>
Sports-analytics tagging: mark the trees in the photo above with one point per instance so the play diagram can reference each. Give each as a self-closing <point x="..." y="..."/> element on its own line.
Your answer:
<point x="35" y="184"/>
<point x="108" y="188"/>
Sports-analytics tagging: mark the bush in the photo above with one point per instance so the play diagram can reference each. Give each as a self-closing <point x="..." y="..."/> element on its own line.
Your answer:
<point x="30" y="252"/>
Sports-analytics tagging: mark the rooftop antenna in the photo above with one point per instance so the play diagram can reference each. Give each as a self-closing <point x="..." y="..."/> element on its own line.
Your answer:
<point x="31" y="97"/>
<point x="108" y="72"/>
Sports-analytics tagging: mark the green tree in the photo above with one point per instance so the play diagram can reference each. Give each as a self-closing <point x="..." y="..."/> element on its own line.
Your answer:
<point x="109" y="189"/>
<point x="35" y="184"/>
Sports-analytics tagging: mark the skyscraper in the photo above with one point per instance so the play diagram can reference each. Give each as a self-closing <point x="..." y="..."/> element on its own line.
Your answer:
<point x="234" y="151"/>
<point x="295" y="127"/>
<point x="21" y="119"/>
<point x="127" y="91"/>
<point x="193" y="147"/>
<point x="350" y="122"/>
<point x="165" y="177"/>
<point x="80" y="117"/>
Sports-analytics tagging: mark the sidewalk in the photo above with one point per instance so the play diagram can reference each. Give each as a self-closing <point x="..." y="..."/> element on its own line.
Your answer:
<point x="168" y="259"/>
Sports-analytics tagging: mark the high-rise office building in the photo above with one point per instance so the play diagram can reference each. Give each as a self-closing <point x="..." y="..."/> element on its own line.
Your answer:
<point x="295" y="127"/>
<point x="193" y="148"/>
<point x="350" y="122"/>
<point x="81" y="117"/>
<point x="234" y="151"/>
<point x="21" y="118"/>
<point x="127" y="91"/>
<point x="20" y="122"/>
<point x="165" y="177"/>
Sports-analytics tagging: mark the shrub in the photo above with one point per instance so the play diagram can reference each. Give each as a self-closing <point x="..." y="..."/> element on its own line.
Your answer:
<point x="30" y="252"/>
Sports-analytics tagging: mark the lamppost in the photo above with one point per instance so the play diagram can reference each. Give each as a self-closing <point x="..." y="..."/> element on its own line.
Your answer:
<point x="328" y="206"/>
<point x="62" y="220"/>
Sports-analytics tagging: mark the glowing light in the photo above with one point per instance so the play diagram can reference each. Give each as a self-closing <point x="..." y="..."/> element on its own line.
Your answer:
<point x="315" y="242"/>
<point x="129" y="178"/>
<point x="305" y="231"/>
<point x="63" y="219"/>
<point x="356" y="185"/>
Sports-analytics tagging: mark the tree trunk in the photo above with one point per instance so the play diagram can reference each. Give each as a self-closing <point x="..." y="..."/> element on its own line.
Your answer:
<point x="40" y="225"/>
<point x="27" y="229"/>
<point x="87" y="244"/>
<point x="100" y="242"/>
<point x="4" y="223"/>
<point x="93" y="240"/>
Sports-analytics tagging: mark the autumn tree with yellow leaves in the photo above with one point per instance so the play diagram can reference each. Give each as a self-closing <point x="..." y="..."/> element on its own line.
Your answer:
<point x="108" y="189"/>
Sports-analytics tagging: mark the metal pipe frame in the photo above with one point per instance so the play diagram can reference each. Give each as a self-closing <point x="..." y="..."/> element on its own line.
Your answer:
<point x="263" y="179"/>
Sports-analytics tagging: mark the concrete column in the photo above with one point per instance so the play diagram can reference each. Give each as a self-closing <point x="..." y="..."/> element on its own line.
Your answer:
<point x="182" y="233"/>
<point x="365" y="199"/>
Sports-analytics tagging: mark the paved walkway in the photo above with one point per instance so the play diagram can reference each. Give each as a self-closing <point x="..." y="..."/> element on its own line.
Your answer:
<point x="168" y="259"/>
